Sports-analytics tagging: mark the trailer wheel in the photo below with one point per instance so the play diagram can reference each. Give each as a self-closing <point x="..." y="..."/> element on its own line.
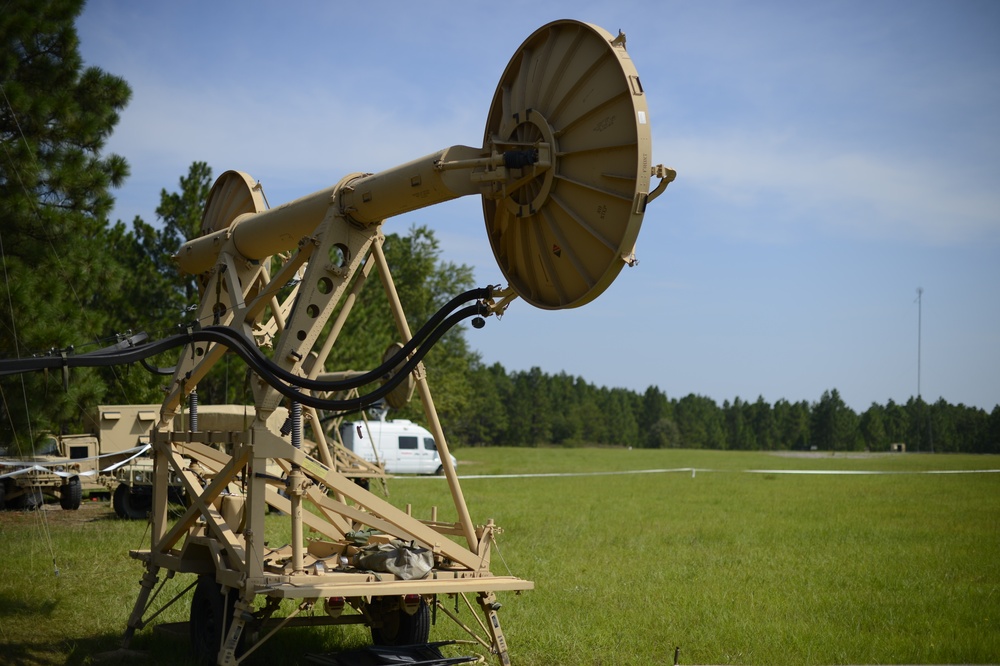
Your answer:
<point x="211" y="617"/>
<point x="398" y="626"/>
<point x="127" y="505"/>
<point x="71" y="494"/>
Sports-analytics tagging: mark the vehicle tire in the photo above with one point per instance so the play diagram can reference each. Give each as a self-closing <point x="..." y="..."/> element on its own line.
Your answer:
<point x="129" y="506"/>
<point x="71" y="494"/>
<point x="398" y="626"/>
<point x="30" y="500"/>
<point x="211" y="617"/>
<point x="3" y="494"/>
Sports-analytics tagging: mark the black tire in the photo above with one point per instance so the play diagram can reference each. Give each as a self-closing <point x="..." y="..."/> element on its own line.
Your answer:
<point x="3" y="494"/>
<point x="71" y="494"/>
<point x="398" y="626"/>
<point x="211" y="617"/>
<point x="129" y="506"/>
<point x="29" y="501"/>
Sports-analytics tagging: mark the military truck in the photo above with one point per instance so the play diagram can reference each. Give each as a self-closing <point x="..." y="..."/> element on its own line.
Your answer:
<point x="115" y="460"/>
<point x="112" y="459"/>
<point x="24" y="483"/>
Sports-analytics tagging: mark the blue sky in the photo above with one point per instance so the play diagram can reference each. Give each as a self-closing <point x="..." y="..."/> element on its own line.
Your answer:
<point x="831" y="158"/>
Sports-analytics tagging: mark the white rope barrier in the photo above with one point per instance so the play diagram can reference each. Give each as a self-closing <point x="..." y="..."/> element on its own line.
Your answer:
<point x="48" y="466"/>
<point x="694" y="470"/>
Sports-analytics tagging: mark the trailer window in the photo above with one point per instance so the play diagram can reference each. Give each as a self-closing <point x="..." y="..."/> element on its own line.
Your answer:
<point x="407" y="442"/>
<point x="429" y="443"/>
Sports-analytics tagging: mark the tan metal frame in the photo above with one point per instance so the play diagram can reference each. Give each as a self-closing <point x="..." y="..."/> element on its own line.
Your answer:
<point x="564" y="173"/>
<point x="224" y="473"/>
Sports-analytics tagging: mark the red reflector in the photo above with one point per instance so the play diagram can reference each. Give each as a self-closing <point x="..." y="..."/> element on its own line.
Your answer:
<point x="334" y="606"/>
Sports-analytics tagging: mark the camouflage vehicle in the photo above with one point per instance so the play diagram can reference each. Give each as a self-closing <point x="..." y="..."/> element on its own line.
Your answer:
<point x="112" y="460"/>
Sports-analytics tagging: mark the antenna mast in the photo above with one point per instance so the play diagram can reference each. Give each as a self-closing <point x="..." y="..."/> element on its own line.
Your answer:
<point x="920" y="294"/>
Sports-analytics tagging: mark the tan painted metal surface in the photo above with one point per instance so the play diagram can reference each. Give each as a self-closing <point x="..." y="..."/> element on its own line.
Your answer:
<point x="562" y="234"/>
<point x="564" y="174"/>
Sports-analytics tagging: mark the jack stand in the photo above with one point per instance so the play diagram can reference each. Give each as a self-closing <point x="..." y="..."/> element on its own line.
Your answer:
<point x="148" y="582"/>
<point x="488" y="601"/>
<point x="242" y="610"/>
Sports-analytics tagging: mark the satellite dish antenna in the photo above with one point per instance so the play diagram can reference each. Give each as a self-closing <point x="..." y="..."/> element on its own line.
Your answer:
<point x="562" y="234"/>
<point x="564" y="175"/>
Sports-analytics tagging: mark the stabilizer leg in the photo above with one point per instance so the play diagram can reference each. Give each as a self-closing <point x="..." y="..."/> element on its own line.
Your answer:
<point x="148" y="582"/>
<point x="488" y="601"/>
<point x="228" y="654"/>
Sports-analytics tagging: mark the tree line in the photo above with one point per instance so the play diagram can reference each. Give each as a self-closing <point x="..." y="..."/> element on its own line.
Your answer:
<point x="73" y="282"/>
<point x="533" y="408"/>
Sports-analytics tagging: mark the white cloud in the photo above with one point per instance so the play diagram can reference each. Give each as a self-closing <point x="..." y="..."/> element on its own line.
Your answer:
<point x="294" y="141"/>
<point x="840" y="190"/>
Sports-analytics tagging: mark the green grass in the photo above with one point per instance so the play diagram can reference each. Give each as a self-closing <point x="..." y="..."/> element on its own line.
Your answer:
<point x="732" y="567"/>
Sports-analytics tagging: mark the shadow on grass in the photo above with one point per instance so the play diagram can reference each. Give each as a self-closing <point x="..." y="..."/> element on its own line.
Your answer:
<point x="104" y="649"/>
<point x="34" y="633"/>
<point x="66" y="652"/>
<point x="169" y="647"/>
<point x="28" y="654"/>
<point x="19" y="607"/>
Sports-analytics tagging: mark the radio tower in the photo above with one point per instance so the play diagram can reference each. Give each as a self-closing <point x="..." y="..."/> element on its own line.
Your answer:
<point x="920" y="294"/>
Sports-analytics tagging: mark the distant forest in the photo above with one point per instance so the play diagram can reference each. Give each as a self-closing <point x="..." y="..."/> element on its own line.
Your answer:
<point x="532" y="408"/>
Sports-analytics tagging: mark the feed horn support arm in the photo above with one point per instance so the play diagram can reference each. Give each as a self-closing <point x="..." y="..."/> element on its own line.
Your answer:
<point x="364" y="200"/>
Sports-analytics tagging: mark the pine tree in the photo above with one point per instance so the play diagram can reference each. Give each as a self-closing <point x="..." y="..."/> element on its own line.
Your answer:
<point x="157" y="298"/>
<point x="55" y="117"/>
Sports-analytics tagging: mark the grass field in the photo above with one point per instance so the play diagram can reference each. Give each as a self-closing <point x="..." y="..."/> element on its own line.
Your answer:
<point x="732" y="567"/>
